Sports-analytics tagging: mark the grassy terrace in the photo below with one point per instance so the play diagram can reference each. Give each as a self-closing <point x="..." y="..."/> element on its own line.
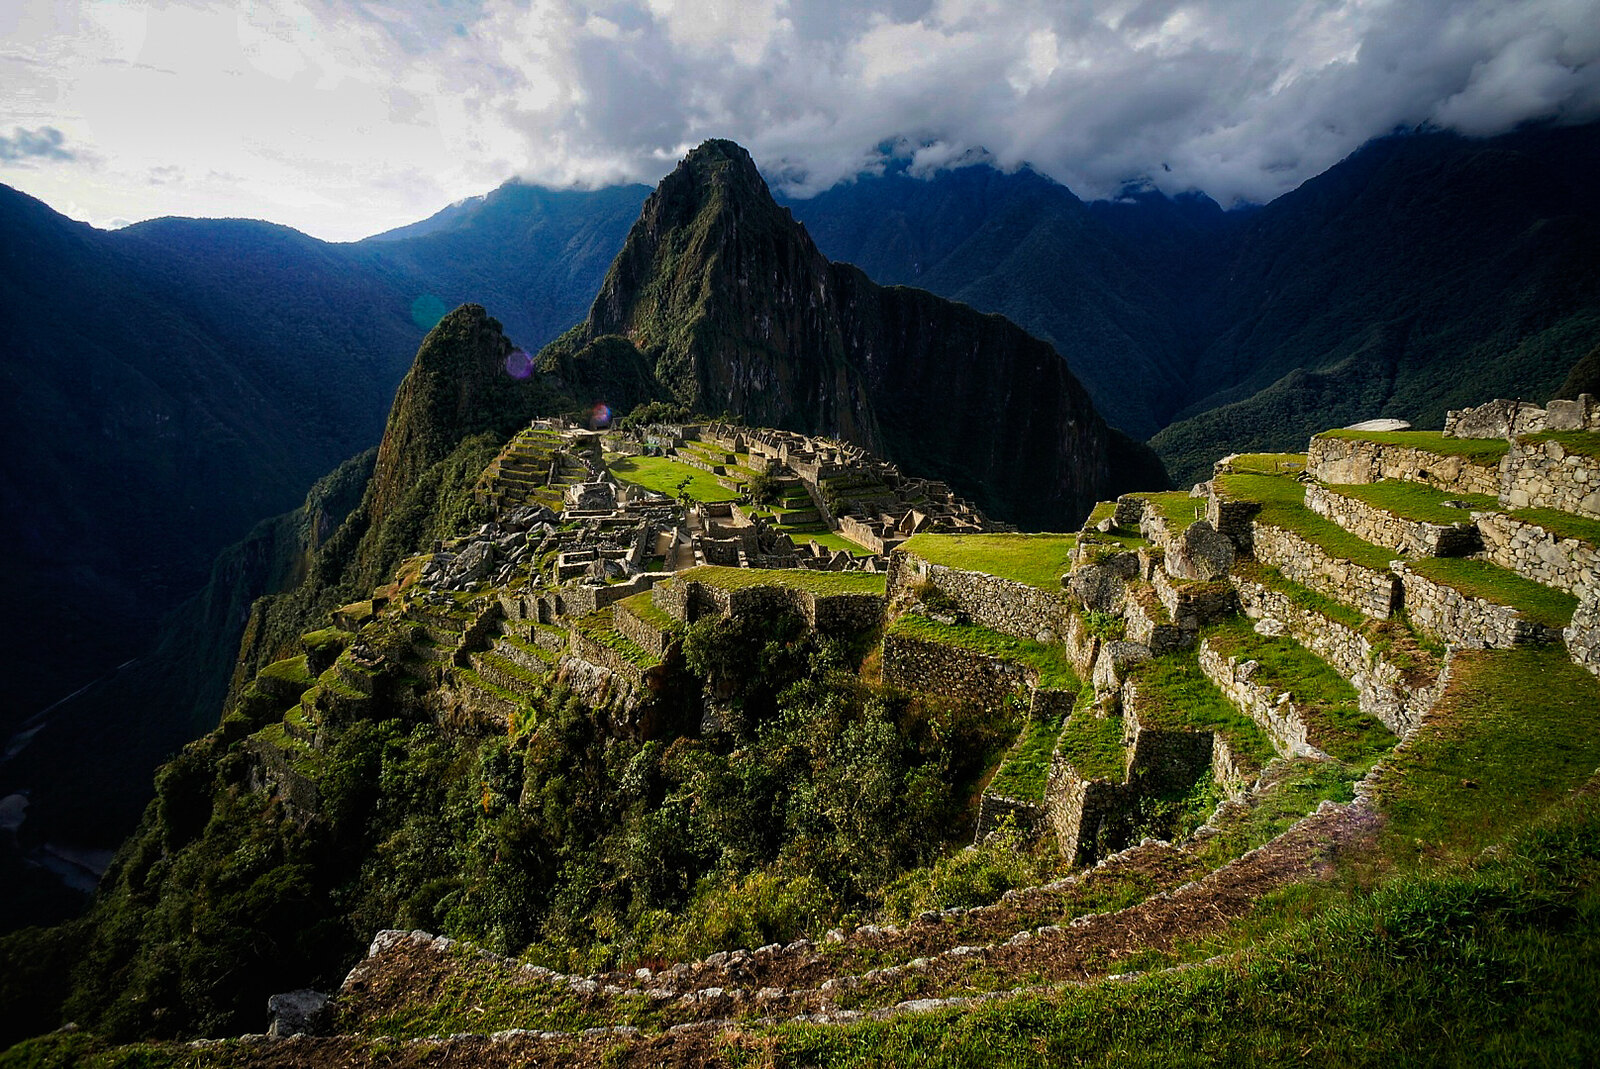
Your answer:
<point x="1174" y="694"/>
<point x="1584" y="443"/>
<point x="1025" y="770"/>
<point x="1093" y="744"/>
<point x="1049" y="662"/>
<point x="1480" y="579"/>
<point x="1331" y="708"/>
<point x="663" y="476"/>
<point x="1563" y="524"/>
<point x="1177" y="508"/>
<point x="1035" y="559"/>
<point x="291" y="670"/>
<point x="1269" y="463"/>
<point x="647" y="610"/>
<point x="1283" y="505"/>
<point x="1417" y="501"/>
<point x="790" y="578"/>
<point x="599" y="628"/>
<point x="825" y="538"/>
<point x="1484" y="452"/>
<point x="1302" y="596"/>
<point x="532" y="649"/>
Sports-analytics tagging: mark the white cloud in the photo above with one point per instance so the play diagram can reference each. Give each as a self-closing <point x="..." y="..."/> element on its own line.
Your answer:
<point x="347" y="116"/>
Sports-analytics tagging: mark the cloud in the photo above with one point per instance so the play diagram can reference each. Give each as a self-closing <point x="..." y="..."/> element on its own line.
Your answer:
<point x="43" y="143"/>
<point x="345" y="117"/>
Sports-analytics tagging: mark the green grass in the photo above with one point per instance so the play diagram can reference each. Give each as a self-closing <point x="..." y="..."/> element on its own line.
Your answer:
<point x="1093" y="744"/>
<point x="1484" y="452"/>
<point x="1584" y="443"/>
<point x="827" y="540"/>
<point x="644" y="608"/>
<point x="329" y="639"/>
<point x="467" y="675"/>
<point x="1177" y="508"/>
<point x="598" y="627"/>
<point x="790" y="578"/>
<point x="1269" y="463"/>
<point x="1050" y="662"/>
<point x="1301" y="596"/>
<point x="532" y="649"/>
<point x="1175" y="695"/>
<point x="1417" y="501"/>
<point x="1283" y="505"/>
<point x="1480" y="579"/>
<point x="663" y="476"/>
<point x="1328" y="703"/>
<point x="1562" y="524"/>
<point x="1025" y="770"/>
<point x="1035" y="559"/>
<point x="291" y="670"/>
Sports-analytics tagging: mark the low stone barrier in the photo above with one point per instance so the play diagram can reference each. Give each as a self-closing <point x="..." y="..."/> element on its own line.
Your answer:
<point x="1003" y="605"/>
<point x="1356" y="460"/>
<point x="1383" y="688"/>
<point x="1367" y="591"/>
<point x="1535" y="553"/>
<point x="1463" y="620"/>
<point x="1545" y="475"/>
<point x="993" y="809"/>
<point x="1274" y="711"/>
<point x="1372" y="524"/>
<point x="1192" y="604"/>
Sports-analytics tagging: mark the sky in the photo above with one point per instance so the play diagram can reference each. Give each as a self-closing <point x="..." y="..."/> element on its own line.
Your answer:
<point x="344" y="118"/>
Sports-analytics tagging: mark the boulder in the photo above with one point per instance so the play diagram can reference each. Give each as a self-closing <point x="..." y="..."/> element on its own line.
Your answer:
<point x="294" y="1013"/>
<point x="1380" y="425"/>
<point x="1199" y="553"/>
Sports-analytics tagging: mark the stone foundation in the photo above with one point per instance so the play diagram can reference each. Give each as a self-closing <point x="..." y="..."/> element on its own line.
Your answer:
<point x="1002" y="605"/>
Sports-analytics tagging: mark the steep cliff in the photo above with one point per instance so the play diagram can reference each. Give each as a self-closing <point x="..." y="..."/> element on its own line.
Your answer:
<point x="727" y="300"/>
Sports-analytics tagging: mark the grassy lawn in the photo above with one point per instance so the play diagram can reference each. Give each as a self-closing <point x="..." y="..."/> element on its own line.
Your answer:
<point x="1023" y="775"/>
<point x="1177" y="508"/>
<point x="1035" y="559"/>
<point x="792" y="578"/>
<point x="1417" y="501"/>
<point x="292" y="671"/>
<point x="1093" y="744"/>
<point x="1174" y="694"/>
<point x="663" y="476"/>
<point x="1050" y="662"/>
<point x="1562" y="524"/>
<point x="1480" y="579"/>
<point x="1484" y="452"/>
<point x="1328" y="703"/>
<point x="1269" y="463"/>
<point x="1584" y="443"/>
<point x="1283" y="505"/>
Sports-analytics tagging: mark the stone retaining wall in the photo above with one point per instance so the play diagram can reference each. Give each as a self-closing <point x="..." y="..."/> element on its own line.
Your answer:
<point x="1354" y="460"/>
<point x="1381" y="528"/>
<point x="602" y="656"/>
<point x="1274" y="710"/>
<point x="1462" y="620"/>
<point x="1384" y="692"/>
<point x="993" y="809"/>
<point x="1583" y="634"/>
<point x="1545" y="475"/>
<point x="1367" y="591"/>
<point x="687" y="600"/>
<point x="651" y="637"/>
<point x="1089" y="816"/>
<point x="1192" y="604"/>
<point x="1003" y="605"/>
<point x="1535" y="553"/>
<point x="983" y="681"/>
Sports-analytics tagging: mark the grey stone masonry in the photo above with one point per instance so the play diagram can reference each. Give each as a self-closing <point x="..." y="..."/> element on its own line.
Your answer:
<point x="1370" y="592"/>
<point x="936" y="668"/>
<point x="1232" y="519"/>
<point x="1003" y="605"/>
<point x="1274" y="710"/>
<point x="1499" y="418"/>
<point x="1583" y="634"/>
<point x="1356" y="460"/>
<point x="1385" y="691"/>
<point x="993" y="809"/>
<point x="1191" y="604"/>
<point x="1543" y="474"/>
<point x="1090" y="817"/>
<point x="1530" y="550"/>
<point x="1412" y="537"/>
<point x="1463" y="620"/>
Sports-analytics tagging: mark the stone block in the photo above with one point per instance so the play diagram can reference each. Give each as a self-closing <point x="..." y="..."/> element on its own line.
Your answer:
<point x="1200" y="552"/>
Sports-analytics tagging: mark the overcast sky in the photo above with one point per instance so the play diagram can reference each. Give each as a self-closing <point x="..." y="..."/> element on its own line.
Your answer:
<point x="344" y="118"/>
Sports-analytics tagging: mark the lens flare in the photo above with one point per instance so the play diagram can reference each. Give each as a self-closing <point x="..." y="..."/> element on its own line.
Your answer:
<point x="519" y="365"/>
<point x="600" y="416"/>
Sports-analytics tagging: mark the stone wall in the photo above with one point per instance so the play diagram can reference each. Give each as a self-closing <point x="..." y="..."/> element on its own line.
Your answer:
<point x="936" y="668"/>
<point x="1382" y="528"/>
<point x="1499" y="418"/>
<point x="650" y="637"/>
<point x="1274" y="710"/>
<point x="687" y="600"/>
<point x="1384" y="690"/>
<point x="993" y="809"/>
<point x="1150" y="624"/>
<point x="1583" y="635"/>
<point x="1354" y="460"/>
<point x="1090" y="816"/>
<point x="1462" y="620"/>
<point x="1232" y="519"/>
<point x="1002" y="605"/>
<point x="1192" y="604"/>
<point x="1531" y="551"/>
<point x="1545" y="475"/>
<point x="1373" y="593"/>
